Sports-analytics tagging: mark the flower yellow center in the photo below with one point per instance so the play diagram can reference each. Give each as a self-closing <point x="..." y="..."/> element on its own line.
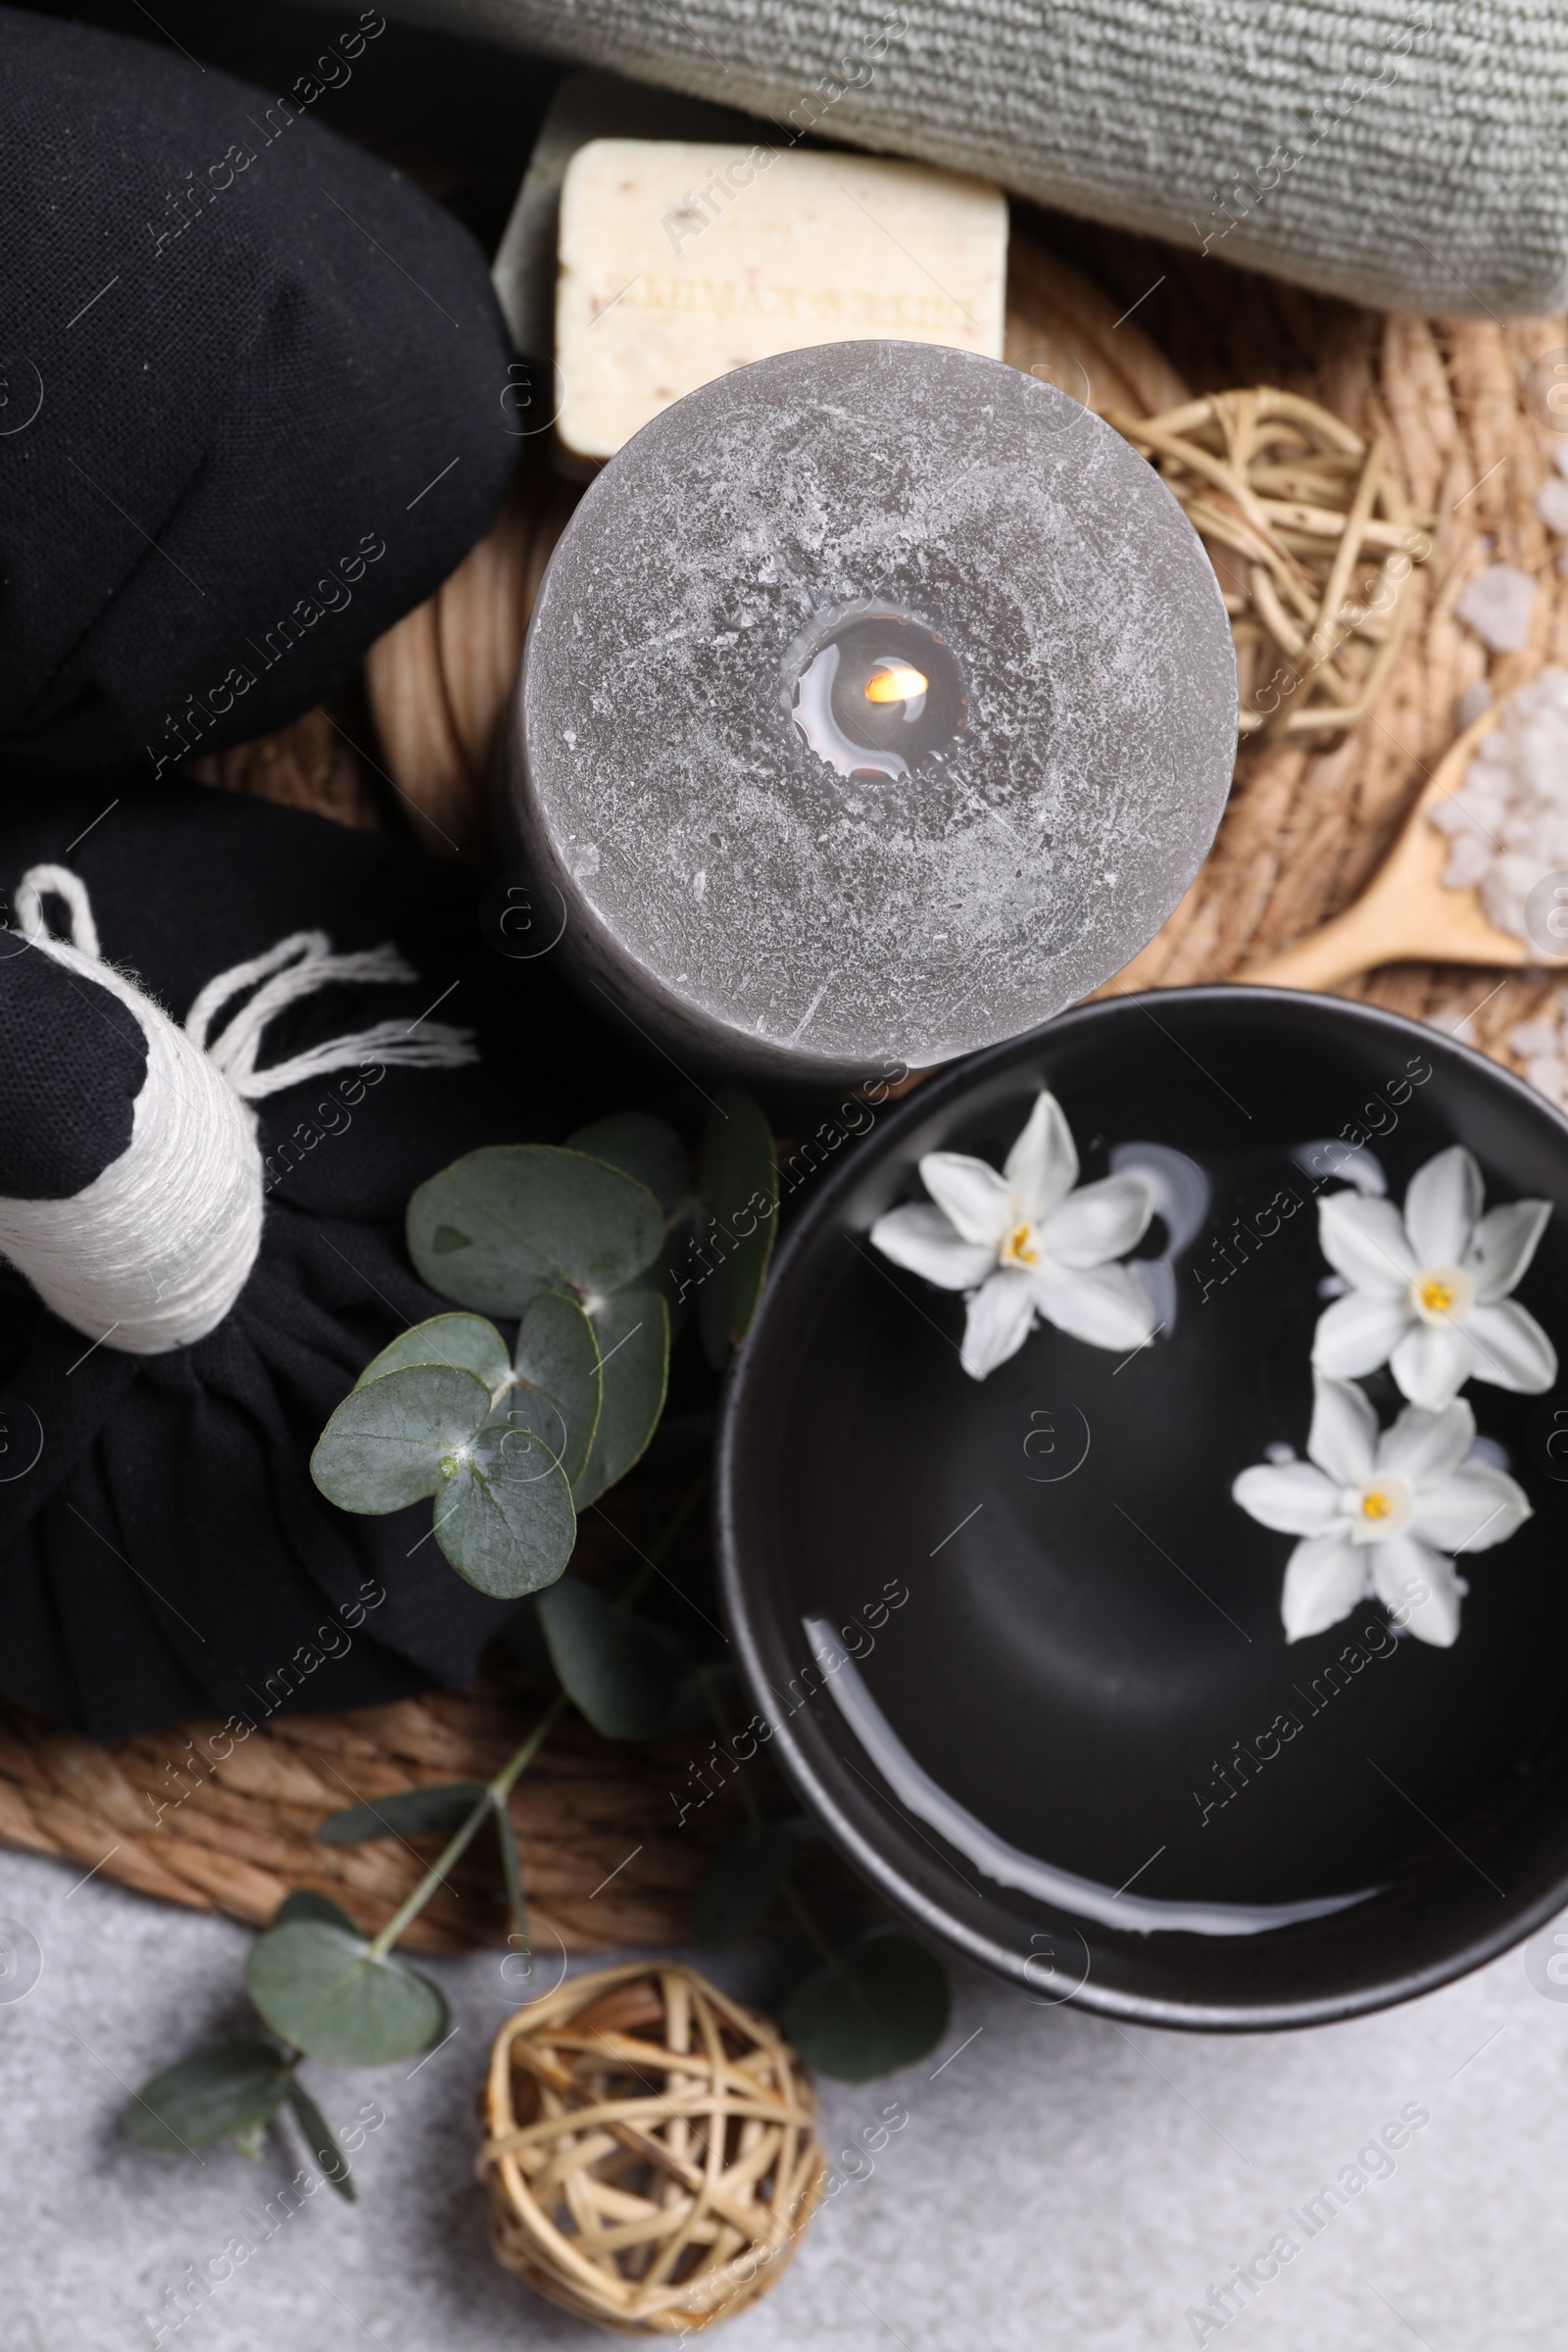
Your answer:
<point x="1380" y="1510"/>
<point x="1442" y="1294"/>
<point x="895" y="682"/>
<point x="1018" y="1249"/>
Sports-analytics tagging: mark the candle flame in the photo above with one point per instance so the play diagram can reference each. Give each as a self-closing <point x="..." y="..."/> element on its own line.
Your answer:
<point x="895" y="682"/>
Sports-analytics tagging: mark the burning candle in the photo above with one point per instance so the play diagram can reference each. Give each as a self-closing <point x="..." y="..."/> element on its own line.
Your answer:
<point x="878" y="702"/>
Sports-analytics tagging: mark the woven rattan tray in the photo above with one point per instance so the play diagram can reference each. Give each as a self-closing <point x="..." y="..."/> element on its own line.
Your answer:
<point x="1304" y="830"/>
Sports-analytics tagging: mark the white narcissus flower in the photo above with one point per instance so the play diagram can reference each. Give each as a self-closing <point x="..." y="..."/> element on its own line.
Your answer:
<point x="1429" y="1289"/>
<point x="1382" y="1515"/>
<point x="1024" y="1244"/>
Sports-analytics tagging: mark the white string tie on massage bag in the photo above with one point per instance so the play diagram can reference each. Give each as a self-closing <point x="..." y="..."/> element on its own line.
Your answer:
<point x="155" y="1250"/>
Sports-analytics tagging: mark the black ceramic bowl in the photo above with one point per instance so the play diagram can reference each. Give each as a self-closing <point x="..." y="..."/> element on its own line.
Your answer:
<point x="1058" y="1751"/>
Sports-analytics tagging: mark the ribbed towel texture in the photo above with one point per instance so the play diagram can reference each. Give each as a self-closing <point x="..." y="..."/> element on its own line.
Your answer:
<point x="1403" y="153"/>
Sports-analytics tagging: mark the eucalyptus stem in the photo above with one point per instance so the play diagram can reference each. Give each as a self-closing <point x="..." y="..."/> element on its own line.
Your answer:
<point x="496" y="1792"/>
<point x="501" y="1786"/>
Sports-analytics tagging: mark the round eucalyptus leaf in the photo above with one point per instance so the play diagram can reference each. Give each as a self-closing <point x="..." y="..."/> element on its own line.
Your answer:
<point x="505" y="1517"/>
<point x="321" y="2140"/>
<point x="881" y="2006"/>
<point x="743" y="1882"/>
<point x="513" y="1219"/>
<point x="305" y="1903"/>
<point x="558" y="1392"/>
<point x="406" y="1813"/>
<point x="221" y="2092"/>
<point x="739" y="1187"/>
<point x="320" y="1989"/>
<point x="386" y="1444"/>
<point x="618" y="1669"/>
<point x="633" y="1333"/>
<point x="466" y="1341"/>
<point x="643" y="1145"/>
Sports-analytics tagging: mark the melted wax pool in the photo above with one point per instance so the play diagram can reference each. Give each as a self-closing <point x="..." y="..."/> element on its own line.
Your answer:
<point x="878" y="693"/>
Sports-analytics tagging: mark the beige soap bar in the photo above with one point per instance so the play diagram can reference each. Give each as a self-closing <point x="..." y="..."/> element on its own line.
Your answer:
<point x="681" y="262"/>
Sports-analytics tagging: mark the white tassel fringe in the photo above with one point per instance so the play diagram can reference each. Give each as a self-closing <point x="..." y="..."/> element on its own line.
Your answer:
<point x="153" y="1253"/>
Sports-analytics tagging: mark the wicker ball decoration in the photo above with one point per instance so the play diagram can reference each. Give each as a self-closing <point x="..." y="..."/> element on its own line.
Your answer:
<point x="1314" y="543"/>
<point x="649" y="2149"/>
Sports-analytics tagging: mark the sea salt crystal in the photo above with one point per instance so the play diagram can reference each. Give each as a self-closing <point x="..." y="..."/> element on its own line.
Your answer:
<point x="1551" y="504"/>
<point x="1469" y="861"/>
<point x="1476" y="700"/>
<point x="1508" y="820"/>
<point x="1498" y="605"/>
<point x="1535" y="1036"/>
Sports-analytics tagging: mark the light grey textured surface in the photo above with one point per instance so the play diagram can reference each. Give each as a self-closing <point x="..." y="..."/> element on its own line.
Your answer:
<point x="1060" y="2182"/>
<point x="1404" y="153"/>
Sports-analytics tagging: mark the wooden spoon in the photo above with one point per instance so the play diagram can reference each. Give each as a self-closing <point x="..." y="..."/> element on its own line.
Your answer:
<point x="1405" y="913"/>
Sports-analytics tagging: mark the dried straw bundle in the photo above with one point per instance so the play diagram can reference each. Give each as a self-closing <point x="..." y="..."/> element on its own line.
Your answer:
<point x="1314" y="543"/>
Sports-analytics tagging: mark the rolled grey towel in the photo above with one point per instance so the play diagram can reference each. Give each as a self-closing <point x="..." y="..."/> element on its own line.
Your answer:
<point x="1403" y="153"/>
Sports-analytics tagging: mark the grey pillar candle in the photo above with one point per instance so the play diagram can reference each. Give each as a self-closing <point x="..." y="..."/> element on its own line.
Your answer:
<point x="879" y="701"/>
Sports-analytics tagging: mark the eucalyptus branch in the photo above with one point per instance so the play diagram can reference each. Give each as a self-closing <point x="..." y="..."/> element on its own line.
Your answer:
<point x="512" y="1445"/>
<point x="496" y="1793"/>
